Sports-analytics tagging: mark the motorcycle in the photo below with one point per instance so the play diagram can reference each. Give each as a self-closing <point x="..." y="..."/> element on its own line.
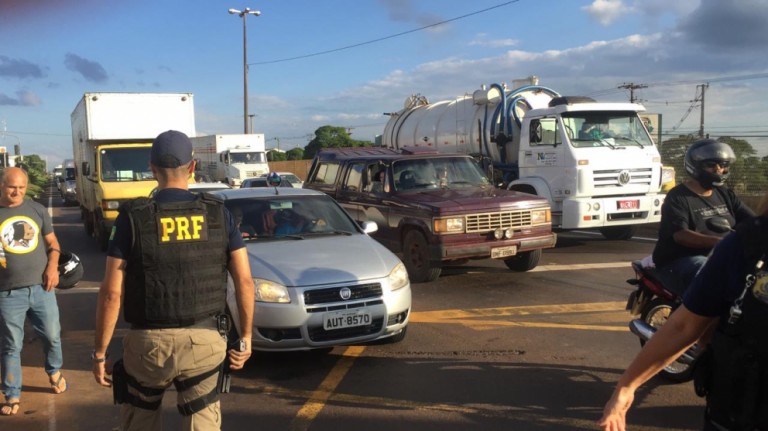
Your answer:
<point x="654" y="303"/>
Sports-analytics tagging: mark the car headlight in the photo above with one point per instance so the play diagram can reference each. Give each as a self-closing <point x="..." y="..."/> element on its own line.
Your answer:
<point x="449" y="225"/>
<point x="269" y="291"/>
<point x="541" y="216"/>
<point x="398" y="277"/>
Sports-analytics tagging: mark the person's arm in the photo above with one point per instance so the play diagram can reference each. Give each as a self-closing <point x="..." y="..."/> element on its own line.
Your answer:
<point x="51" y="274"/>
<point x="240" y="270"/>
<point x="693" y="239"/>
<point x="107" y="313"/>
<point x="676" y="335"/>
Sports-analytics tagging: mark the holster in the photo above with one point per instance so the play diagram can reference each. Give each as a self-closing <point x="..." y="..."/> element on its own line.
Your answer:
<point x="119" y="382"/>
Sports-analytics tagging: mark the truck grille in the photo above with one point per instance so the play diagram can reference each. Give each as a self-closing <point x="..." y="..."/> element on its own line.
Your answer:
<point x="611" y="177"/>
<point x="504" y="219"/>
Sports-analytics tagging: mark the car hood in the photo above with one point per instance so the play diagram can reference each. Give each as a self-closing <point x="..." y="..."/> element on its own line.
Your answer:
<point x="474" y="199"/>
<point x="320" y="260"/>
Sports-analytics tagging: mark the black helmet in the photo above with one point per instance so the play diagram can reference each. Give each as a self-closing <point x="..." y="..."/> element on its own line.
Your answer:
<point x="707" y="151"/>
<point x="70" y="270"/>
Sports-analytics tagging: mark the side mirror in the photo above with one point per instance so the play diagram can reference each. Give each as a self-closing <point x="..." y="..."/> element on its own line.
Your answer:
<point x="86" y="169"/>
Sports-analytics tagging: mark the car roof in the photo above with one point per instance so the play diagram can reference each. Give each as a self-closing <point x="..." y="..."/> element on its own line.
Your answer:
<point x="214" y="185"/>
<point x="265" y="192"/>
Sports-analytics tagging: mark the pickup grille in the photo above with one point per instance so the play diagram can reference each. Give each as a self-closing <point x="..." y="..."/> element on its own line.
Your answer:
<point x="505" y="219"/>
<point x="610" y="177"/>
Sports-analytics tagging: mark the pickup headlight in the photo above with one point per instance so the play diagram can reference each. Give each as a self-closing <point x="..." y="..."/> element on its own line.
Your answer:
<point x="398" y="277"/>
<point x="448" y="225"/>
<point x="541" y="216"/>
<point x="269" y="291"/>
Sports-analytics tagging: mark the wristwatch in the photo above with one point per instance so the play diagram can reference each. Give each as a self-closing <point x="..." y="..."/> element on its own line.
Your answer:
<point x="94" y="358"/>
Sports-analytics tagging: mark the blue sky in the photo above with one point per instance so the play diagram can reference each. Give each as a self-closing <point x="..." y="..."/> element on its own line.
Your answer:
<point x="51" y="52"/>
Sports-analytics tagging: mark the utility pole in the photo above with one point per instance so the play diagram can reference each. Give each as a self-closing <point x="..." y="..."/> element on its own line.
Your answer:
<point x="701" y="120"/>
<point x="632" y="87"/>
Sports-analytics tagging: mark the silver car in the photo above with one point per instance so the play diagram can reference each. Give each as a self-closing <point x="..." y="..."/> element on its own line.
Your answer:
<point x="320" y="280"/>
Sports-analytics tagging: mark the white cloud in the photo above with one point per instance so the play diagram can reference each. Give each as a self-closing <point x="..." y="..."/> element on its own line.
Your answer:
<point x="482" y="39"/>
<point x="606" y="12"/>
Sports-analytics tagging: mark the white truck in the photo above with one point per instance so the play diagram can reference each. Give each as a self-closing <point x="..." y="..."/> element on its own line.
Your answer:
<point x="112" y="135"/>
<point x="230" y="158"/>
<point x="594" y="162"/>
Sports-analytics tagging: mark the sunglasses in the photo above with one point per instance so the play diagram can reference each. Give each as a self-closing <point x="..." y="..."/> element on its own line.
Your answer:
<point x="711" y="164"/>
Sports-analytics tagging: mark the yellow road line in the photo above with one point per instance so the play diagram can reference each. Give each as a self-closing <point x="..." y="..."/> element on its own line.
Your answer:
<point x="320" y="396"/>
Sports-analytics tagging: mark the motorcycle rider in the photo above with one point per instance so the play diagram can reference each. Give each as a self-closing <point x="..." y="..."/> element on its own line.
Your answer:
<point x="684" y="240"/>
<point x="735" y="377"/>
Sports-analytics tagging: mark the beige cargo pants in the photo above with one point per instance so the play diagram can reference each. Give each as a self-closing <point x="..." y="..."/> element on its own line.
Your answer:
<point x="155" y="357"/>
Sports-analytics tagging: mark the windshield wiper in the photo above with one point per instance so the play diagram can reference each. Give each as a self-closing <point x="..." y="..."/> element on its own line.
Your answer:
<point x="633" y="140"/>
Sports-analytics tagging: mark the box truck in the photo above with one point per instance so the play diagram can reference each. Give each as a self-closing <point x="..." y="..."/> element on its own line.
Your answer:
<point x="112" y="135"/>
<point x="230" y="158"/>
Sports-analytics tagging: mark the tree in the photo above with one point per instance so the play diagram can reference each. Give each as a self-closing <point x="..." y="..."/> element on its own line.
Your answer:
<point x="295" y="154"/>
<point x="673" y="154"/>
<point x="276" y="156"/>
<point x="331" y="137"/>
<point x="38" y="177"/>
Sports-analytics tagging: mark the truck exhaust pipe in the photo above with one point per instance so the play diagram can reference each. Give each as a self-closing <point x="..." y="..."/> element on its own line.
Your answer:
<point x="644" y="331"/>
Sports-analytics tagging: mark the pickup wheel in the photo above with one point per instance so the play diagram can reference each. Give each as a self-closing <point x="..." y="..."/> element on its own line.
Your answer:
<point x="619" y="232"/>
<point x="416" y="258"/>
<point x="525" y="261"/>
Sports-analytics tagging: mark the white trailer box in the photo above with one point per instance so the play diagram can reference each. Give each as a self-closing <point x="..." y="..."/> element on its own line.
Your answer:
<point x="231" y="158"/>
<point x="112" y="134"/>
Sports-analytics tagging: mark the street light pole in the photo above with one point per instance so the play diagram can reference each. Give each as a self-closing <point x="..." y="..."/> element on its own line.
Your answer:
<point x="244" y="14"/>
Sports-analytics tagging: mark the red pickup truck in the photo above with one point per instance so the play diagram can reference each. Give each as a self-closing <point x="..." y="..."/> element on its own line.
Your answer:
<point x="434" y="208"/>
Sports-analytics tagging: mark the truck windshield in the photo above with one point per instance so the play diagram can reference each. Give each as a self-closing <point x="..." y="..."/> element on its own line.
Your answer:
<point x="606" y="129"/>
<point x="125" y="164"/>
<point x="443" y="172"/>
<point x="252" y="157"/>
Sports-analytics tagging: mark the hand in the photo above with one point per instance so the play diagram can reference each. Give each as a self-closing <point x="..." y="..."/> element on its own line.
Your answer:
<point x="237" y="359"/>
<point x="615" y="410"/>
<point x="100" y="372"/>
<point x="50" y="278"/>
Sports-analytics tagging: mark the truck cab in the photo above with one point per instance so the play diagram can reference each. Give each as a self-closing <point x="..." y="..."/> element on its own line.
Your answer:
<point x="434" y="208"/>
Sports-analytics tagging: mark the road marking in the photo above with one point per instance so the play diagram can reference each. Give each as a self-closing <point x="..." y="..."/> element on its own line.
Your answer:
<point x="477" y="318"/>
<point x="580" y="266"/>
<point x="320" y="396"/>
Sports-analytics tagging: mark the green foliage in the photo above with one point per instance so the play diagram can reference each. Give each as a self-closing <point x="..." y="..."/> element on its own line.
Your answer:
<point x="331" y="137"/>
<point x="295" y="154"/>
<point x="276" y="156"/>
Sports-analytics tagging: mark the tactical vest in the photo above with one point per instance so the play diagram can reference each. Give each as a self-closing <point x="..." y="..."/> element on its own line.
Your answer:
<point x="737" y="393"/>
<point x="176" y="274"/>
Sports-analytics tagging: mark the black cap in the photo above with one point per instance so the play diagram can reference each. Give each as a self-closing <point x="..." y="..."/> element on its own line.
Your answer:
<point x="171" y="149"/>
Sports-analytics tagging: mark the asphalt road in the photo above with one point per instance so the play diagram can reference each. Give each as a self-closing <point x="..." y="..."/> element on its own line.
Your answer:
<point x="487" y="349"/>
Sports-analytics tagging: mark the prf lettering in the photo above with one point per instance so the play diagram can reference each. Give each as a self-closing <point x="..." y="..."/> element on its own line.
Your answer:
<point x="183" y="228"/>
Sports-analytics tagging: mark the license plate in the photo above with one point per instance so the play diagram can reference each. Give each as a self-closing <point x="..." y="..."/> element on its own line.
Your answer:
<point x="345" y="319"/>
<point x="629" y="205"/>
<point x="500" y="252"/>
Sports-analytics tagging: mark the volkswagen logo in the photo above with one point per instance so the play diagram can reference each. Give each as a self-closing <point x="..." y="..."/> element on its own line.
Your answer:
<point x="345" y="293"/>
<point x="624" y="177"/>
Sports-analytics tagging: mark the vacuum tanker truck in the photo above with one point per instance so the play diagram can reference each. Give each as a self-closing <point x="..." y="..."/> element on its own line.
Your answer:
<point x="595" y="162"/>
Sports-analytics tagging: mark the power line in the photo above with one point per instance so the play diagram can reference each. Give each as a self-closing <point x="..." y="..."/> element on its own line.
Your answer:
<point x="383" y="38"/>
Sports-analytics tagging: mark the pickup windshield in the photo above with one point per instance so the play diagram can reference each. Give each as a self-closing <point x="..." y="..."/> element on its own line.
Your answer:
<point x="125" y="164"/>
<point x="442" y="172"/>
<point x="606" y="129"/>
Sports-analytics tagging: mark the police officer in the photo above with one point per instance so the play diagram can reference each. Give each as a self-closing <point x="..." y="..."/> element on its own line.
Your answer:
<point x="729" y="295"/>
<point x="169" y="257"/>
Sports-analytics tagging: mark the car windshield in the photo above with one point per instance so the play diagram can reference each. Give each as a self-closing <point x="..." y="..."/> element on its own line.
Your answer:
<point x="291" y="217"/>
<point x="606" y="129"/>
<point x="442" y="172"/>
<point x="125" y="164"/>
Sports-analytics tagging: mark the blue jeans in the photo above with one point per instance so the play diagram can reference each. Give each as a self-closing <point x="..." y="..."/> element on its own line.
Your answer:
<point x="679" y="274"/>
<point x="43" y="312"/>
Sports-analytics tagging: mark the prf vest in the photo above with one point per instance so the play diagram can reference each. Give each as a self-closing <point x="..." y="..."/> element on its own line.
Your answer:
<point x="737" y="397"/>
<point x="176" y="274"/>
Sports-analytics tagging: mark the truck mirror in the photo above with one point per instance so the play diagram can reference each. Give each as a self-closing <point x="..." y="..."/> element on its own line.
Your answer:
<point x="86" y="169"/>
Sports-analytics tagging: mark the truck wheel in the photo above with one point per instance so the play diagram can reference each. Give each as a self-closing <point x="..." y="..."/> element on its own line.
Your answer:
<point x="416" y="258"/>
<point x="525" y="261"/>
<point x="100" y="232"/>
<point x="87" y="222"/>
<point x="619" y="232"/>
